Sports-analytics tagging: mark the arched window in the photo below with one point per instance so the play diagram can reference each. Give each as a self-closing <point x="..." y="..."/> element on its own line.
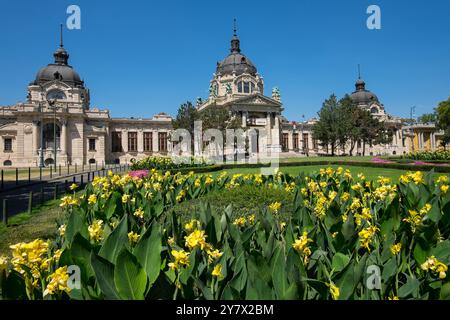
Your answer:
<point x="56" y="94"/>
<point x="92" y="161"/>
<point x="7" y="163"/>
<point x="48" y="161"/>
<point x="246" y="87"/>
<point x="374" y="110"/>
<point x="49" y="136"/>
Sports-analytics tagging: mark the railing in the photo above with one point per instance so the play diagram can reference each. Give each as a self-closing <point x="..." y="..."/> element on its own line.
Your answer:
<point x="37" y="194"/>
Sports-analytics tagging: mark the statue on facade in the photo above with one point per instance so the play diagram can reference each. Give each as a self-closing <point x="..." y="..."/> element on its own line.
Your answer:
<point x="228" y="88"/>
<point x="199" y="101"/>
<point x="276" y="94"/>
<point x="213" y="90"/>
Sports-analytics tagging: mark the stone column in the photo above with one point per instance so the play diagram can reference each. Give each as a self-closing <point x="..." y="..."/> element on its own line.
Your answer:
<point x="140" y="141"/>
<point x="155" y="141"/>
<point x="35" y="138"/>
<point x="290" y="140"/>
<point x="125" y="141"/>
<point x="244" y="118"/>
<point x="63" y="137"/>
<point x="269" y="128"/>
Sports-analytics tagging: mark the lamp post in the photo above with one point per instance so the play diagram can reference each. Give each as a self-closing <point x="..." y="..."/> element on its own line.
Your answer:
<point x="41" y="125"/>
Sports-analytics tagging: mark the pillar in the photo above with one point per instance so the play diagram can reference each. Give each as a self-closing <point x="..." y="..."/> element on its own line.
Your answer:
<point x="63" y="137"/>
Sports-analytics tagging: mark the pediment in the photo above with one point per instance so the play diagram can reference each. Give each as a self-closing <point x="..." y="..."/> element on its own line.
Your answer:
<point x="257" y="99"/>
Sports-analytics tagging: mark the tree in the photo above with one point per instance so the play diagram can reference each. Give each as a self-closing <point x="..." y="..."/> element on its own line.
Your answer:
<point x="443" y="120"/>
<point x="326" y="129"/>
<point x="352" y="124"/>
<point x="217" y="117"/>
<point x="427" y="118"/>
<point x="186" y="116"/>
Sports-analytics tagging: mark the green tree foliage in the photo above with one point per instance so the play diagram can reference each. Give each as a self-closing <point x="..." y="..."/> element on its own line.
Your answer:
<point x="427" y="118"/>
<point x="342" y="123"/>
<point x="443" y="119"/>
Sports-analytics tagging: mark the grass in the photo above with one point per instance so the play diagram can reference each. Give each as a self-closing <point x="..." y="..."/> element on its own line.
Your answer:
<point x="337" y="158"/>
<point x="24" y="227"/>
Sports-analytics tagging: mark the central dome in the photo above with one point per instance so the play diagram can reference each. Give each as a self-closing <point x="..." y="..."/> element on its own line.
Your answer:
<point x="60" y="70"/>
<point x="362" y="96"/>
<point x="236" y="62"/>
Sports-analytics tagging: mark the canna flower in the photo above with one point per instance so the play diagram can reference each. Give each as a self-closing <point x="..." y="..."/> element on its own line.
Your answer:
<point x="275" y="207"/>
<point x="181" y="195"/>
<point x="73" y="186"/>
<point x="442" y="179"/>
<point x="444" y="188"/>
<point x="192" y="224"/>
<point x="196" y="239"/>
<point x="133" y="237"/>
<point x="334" y="290"/>
<point x="92" y="199"/>
<point x="62" y="230"/>
<point x="58" y="282"/>
<point x="126" y="198"/>
<point x="301" y="244"/>
<point x="432" y="264"/>
<point x="251" y="218"/>
<point x="171" y="241"/>
<point x="415" y="218"/>
<point x="217" y="271"/>
<point x="181" y="259"/>
<point x="139" y="213"/>
<point x="396" y="248"/>
<point x="240" y="222"/>
<point x="366" y="235"/>
<point x="96" y="230"/>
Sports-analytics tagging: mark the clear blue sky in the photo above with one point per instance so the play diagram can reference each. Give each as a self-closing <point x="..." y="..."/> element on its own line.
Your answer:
<point x="143" y="57"/>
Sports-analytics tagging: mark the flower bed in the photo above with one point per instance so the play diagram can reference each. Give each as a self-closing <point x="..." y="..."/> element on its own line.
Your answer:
<point x="170" y="163"/>
<point x="123" y="236"/>
<point x="441" y="155"/>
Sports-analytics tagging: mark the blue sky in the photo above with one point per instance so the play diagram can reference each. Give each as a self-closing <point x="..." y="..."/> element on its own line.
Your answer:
<point x="143" y="57"/>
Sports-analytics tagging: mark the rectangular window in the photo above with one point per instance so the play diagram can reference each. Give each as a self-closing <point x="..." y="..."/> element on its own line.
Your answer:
<point x="305" y="141"/>
<point x="246" y="87"/>
<point x="162" y="139"/>
<point x="7" y="144"/>
<point x="148" y="141"/>
<point x="285" y="142"/>
<point x="116" y="142"/>
<point x="295" y="137"/>
<point x="91" y="144"/>
<point x="132" y="141"/>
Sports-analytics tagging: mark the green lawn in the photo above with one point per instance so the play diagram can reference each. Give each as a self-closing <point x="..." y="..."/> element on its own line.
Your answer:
<point x="25" y="227"/>
<point x="314" y="159"/>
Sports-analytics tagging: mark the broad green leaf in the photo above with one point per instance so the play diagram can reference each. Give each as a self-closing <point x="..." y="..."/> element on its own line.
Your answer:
<point x="148" y="252"/>
<point x="129" y="277"/>
<point x="104" y="273"/>
<point x="340" y="261"/>
<point x="115" y="242"/>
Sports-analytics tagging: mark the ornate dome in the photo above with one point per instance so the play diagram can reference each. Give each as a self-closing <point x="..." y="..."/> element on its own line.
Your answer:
<point x="60" y="70"/>
<point x="236" y="61"/>
<point x="362" y="96"/>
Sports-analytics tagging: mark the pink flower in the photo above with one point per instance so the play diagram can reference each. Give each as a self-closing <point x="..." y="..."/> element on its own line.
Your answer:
<point x="138" y="173"/>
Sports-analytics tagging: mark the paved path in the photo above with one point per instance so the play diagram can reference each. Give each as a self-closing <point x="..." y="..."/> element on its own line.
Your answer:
<point x="18" y="198"/>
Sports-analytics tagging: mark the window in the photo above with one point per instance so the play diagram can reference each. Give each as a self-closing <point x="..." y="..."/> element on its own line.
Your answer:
<point x="162" y="139"/>
<point x="305" y="141"/>
<point x="49" y="136"/>
<point x="116" y="142"/>
<point x="148" y="142"/>
<point x="7" y="144"/>
<point x="285" y="142"/>
<point x="132" y="141"/>
<point x="91" y="161"/>
<point x="295" y="137"/>
<point x="56" y="94"/>
<point x="91" y="144"/>
<point x="7" y="163"/>
<point x="245" y="87"/>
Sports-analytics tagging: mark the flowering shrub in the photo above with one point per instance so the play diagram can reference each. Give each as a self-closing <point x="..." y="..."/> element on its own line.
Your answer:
<point x="169" y="163"/>
<point x="430" y="155"/>
<point x="128" y="244"/>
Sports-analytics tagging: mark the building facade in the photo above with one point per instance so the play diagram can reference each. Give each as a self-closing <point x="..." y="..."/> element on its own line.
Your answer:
<point x="57" y="123"/>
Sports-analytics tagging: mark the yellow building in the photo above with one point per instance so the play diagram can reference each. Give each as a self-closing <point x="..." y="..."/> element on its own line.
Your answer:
<point x="423" y="137"/>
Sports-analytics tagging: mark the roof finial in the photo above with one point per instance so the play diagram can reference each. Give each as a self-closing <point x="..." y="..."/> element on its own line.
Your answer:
<point x="234" y="27"/>
<point x="359" y="71"/>
<point x="61" y="35"/>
